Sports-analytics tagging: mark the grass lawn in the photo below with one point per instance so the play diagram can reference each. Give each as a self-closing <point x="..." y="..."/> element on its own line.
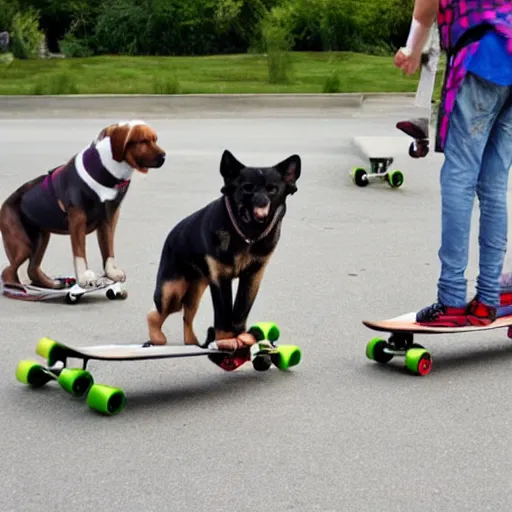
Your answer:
<point x="310" y="73"/>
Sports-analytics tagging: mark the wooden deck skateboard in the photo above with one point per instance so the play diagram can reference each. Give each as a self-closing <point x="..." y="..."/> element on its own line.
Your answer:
<point x="400" y="342"/>
<point x="71" y="291"/>
<point x="109" y="400"/>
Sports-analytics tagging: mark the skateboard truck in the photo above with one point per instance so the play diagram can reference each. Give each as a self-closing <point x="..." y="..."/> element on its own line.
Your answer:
<point x="262" y="353"/>
<point x="377" y="151"/>
<point x="379" y="170"/>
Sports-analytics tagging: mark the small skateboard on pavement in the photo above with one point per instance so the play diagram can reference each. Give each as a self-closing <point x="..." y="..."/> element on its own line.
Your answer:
<point x="109" y="400"/>
<point x="401" y="340"/>
<point x="377" y="150"/>
<point x="70" y="290"/>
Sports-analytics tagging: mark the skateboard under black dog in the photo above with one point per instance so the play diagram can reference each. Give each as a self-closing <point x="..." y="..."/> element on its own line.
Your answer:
<point x="108" y="400"/>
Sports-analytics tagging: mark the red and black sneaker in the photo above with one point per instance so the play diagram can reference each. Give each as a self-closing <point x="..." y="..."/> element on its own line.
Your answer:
<point x="479" y="313"/>
<point x="506" y="298"/>
<point x="439" y="315"/>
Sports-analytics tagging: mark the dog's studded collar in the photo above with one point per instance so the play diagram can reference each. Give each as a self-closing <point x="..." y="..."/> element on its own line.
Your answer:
<point x="269" y="228"/>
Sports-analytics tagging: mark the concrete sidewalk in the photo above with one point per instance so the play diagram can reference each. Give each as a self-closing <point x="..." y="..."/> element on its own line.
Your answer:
<point x="189" y="104"/>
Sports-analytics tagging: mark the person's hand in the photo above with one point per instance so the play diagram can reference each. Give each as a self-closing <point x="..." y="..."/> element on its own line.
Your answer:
<point x="408" y="63"/>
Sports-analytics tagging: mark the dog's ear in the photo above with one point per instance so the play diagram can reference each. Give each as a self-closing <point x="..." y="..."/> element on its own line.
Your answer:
<point x="230" y="167"/>
<point x="289" y="169"/>
<point x="119" y="137"/>
<point x="102" y="134"/>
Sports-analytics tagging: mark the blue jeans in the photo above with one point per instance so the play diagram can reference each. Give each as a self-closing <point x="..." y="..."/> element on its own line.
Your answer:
<point x="478" y="155"/>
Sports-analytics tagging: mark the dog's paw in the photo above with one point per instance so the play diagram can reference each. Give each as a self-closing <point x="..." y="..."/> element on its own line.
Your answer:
<point x="112" y="271"/>
<point x="116" y="274"/>
<point x="87" y="279"/>
<point x="242" y="341"/>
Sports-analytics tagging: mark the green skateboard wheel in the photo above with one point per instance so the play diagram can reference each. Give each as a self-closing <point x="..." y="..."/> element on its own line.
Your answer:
<point x="286" y="356"/>
<point x="49" y="350"/>
<point x="375" y="351"/>
<point x="106" y="399"/>
<point x="32" y="374"/>
<point x="265" y="331"/>
<point x="360" y="177"/>
<point x="418" y="360"/>
<point x="75" y="381"/>
<point x="395" y="179"/>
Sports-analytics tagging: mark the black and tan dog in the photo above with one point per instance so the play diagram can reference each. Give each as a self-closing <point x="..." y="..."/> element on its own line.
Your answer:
<point x="81" y="196"/>
<point x="232" y="237"/>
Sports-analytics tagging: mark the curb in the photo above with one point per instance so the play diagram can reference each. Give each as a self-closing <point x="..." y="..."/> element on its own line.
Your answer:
<point x="160" y="104"/>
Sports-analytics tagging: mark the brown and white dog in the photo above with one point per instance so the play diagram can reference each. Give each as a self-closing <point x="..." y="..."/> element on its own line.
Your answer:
<point x="80" y="197"/>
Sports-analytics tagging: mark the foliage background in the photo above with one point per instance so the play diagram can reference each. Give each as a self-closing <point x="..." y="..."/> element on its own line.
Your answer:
<point x="81" y="28"/>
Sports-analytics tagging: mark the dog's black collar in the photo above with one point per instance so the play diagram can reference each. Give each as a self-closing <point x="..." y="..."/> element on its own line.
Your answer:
<point x="270" y="227"/>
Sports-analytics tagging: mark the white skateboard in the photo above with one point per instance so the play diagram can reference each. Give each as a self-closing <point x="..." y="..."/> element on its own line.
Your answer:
<point x="378" y="150"/>
<point x="71" y="291"/>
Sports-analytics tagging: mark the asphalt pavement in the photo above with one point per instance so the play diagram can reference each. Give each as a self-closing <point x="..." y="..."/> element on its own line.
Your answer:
<point x="337" y="432"/>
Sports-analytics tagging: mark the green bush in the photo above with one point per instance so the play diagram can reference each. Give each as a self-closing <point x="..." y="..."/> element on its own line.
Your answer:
<point x="26" y="38"/>
<point x="317" y="25"/>
<point x="78" y="40"/>
<point x="6" y="59"/>
<point x="192" y="27"/>
<point x="72" y="46"/>
<point x="120" y="26"/>
<point x="384" y="24"/>
<point x="174" y="27"/>
<point x="277" y="42"/>
<point x="238" y="24"/>
<point x="8" y="8"/>
<point x="158" y="27"/>
<point x="372" y="26"/>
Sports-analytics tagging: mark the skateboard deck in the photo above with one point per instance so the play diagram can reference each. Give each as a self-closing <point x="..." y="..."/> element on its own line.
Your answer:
<point x="108" y="400"/>
<point x="401" y="341"/>
<point x="71" y="291"/>
<point x="131" y="352"/>
<point x="406" y="323"/>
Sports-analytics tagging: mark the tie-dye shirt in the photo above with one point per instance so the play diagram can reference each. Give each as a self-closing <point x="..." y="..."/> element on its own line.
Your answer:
<point x="455" y="18"/>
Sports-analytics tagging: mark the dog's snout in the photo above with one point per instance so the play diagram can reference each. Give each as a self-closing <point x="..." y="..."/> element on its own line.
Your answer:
<point x="261" y="206"/>
<point x="260" y="200"/>
<point x="261" y="212"/>
<point x="160" y="159"/>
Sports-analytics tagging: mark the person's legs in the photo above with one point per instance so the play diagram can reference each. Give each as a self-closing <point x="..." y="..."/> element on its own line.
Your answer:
<point x="492" y="194"/>
<point x="476" y="109"/>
